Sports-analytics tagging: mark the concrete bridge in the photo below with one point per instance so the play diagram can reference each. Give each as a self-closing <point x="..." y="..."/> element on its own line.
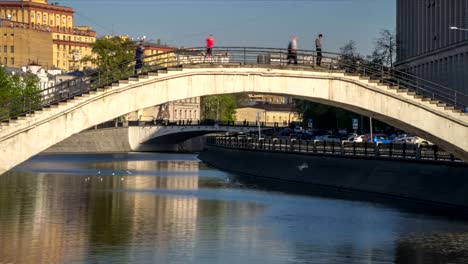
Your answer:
<point x="144" y="138"/>
<point x="341" y="83"/>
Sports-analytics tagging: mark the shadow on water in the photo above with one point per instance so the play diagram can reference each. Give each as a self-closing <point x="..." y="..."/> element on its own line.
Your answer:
<point x="401" y="203"/>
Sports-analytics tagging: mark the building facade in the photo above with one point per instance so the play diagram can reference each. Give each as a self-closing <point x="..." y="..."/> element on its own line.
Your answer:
<point x="186" y="110"/>
<point x="36" y="32"/>
<point x="282" y="114"/>
<point x="427" y="47"/>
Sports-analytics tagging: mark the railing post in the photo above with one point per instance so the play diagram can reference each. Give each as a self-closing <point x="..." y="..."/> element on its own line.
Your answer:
<point x="245" y="56"/>
<point x="404" y="150"/>
<point x="418" y="152"/>
<point x="436" y="149"/>
<point x="307" y="146"/>
<point x="314" y="149"/>
<point x="365" y="148"/>
<point x="390" y="148"/>
<point x="300" y="143"/>
<point x="377" y="150"/>
<point x="354" y="148"/>
<point x="342" y="149"/>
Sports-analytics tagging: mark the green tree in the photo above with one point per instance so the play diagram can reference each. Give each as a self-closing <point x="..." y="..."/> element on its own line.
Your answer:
<point x="221" y="107"/>
<point x="18" y="93"/>
<point x="113" y="58"/>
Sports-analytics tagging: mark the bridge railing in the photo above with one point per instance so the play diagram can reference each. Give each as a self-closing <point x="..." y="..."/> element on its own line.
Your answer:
<point x="264" y="57"/>
<point x="351" y="149"/>
<point x="188" y="122"/>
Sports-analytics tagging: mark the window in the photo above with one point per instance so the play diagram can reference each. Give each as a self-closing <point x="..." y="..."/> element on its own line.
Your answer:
<point x="12" y="49"/>
<point x="175" y="114"/>
<point x="5" y="60"/>
<point x="12" y="61"/>
<point x="5" y="49"/>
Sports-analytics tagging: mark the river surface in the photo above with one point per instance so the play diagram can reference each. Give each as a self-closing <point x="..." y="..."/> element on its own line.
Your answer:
<point x="172" y="208"/>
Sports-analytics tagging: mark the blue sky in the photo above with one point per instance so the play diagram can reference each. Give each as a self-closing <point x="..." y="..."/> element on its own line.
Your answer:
<point x="258" y="23"/>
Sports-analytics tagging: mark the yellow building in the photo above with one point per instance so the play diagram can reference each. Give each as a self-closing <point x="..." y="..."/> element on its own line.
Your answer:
<point x="150" y="50"/>
<point x="282" y="114"/>
<point x="43" y="34"/>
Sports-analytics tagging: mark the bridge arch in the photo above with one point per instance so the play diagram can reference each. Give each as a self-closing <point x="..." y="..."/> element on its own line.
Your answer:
<point x="437" y="123"/>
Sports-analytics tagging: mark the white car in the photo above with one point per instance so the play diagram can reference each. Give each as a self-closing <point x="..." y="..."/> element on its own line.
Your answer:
<point x="407" y="140"/>
<point x="361" y="138"/>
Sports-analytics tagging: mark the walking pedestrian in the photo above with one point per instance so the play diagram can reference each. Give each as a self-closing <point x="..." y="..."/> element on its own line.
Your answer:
<point x="139" y="57"/>
<point x="209" y="46"/>
<point x="318" y="46"/>
<point x="292" y="51"/>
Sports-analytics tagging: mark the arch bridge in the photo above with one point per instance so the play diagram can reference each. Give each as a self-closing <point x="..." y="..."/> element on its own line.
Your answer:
<point x="32" y="123"/>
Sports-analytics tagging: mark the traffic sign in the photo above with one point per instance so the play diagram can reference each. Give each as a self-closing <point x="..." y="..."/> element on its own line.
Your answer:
<point x="355" y="123"/>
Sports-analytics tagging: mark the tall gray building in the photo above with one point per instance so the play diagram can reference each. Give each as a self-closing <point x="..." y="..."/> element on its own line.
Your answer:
<point x="427" y="47"/>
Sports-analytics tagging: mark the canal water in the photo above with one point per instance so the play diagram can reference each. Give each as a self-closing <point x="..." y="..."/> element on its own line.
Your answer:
<point x="172" y="208"/>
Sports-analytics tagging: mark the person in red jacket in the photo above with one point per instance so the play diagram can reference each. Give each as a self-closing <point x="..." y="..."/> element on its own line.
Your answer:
<point x="209" y="46"/>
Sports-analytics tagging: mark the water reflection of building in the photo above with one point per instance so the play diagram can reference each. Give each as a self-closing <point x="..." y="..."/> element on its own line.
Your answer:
<point x="40" y="230"/>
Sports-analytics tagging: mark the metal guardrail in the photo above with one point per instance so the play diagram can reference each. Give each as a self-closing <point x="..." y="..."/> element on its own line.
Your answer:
<point x="354" y="149"/>
<point x="265" y="57"/>
<point x="186" y="123"/>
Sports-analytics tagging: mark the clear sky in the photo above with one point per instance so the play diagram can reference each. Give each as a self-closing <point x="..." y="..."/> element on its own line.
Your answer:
<point x="259" y="23"/>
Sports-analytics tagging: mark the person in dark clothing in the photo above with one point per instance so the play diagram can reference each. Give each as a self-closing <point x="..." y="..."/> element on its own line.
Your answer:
<point x="139" y="58"/>
<point x="318" y="46"/>
<point x="292" y="51"/>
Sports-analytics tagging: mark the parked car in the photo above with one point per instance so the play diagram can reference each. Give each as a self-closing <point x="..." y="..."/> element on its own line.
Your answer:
<point x="381" y="138"/>
<point x="407" y="140"/>
<point x="329" y="138"/>
<point x="362" y="138"/>
<point x="297" y="129"/>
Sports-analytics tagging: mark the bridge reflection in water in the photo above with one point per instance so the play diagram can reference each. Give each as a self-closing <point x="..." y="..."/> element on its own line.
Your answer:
<point x="170" y="208"/>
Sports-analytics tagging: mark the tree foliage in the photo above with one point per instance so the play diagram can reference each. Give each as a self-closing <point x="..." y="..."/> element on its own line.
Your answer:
<point x="221" y="107"/>
<point x="349" y="55"/>
<point x="385" y="48"/>
<point x="18" y="93"/>
<point x="113" y="57"/>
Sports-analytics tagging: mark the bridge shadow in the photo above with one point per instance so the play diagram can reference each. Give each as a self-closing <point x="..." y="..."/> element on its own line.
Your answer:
<point x="410" y="206"/>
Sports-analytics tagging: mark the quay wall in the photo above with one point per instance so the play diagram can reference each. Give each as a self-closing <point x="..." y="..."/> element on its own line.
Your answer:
<point x="442" y="184"/>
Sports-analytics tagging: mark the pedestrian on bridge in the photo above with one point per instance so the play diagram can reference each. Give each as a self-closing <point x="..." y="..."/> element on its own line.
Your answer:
<point x="292" y="51"/>
<point x="139" y="57"/>
<point x="318" y="46"/>
<point x="209" y="46"/>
